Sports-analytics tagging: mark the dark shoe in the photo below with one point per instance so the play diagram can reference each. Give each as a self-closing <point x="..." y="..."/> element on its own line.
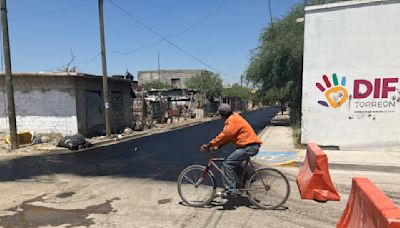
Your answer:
<point x="240" y="186"/>
<point x="227" y="194"/>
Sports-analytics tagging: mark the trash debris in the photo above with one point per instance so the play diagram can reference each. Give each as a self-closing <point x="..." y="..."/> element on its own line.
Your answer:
<point x="128" y="131"/>
<point x="45" y="139"/>
<point x="118" y="138"/>
<point x="22" y="137"/>
<point x="36" y="139"/>
<point x="74" y="142"/>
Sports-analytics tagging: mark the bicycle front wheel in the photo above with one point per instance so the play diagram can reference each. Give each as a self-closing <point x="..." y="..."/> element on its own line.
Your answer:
<point x="268" y="188"/>
<point x="195" y="186"/>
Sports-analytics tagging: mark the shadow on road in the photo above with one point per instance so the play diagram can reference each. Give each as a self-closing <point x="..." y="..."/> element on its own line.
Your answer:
<point x="233" y="204"/>
<point x="160" y="157"/>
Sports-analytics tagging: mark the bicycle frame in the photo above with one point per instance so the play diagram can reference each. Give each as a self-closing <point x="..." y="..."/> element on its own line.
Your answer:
<point x="212" y="163"/>
<point x="258" y="183"/>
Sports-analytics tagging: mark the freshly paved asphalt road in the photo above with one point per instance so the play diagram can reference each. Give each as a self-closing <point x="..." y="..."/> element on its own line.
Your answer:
<point x="161" y="156"/>
<point x="133" y="184"/>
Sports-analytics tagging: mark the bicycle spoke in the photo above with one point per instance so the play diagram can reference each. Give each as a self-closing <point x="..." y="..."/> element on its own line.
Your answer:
<point x="266" y="179"/>
<point x="272" y="179"/>
<point x="196" y="177"/>
<point x="193" y="175"/>
<point x="187" y="178"/>
<point x="200" y="190"/>
<point x="268" y="188"/>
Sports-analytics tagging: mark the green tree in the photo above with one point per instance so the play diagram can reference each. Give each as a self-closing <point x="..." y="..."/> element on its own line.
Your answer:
<point x="279" y="94"/>
<point x="207" y="83"/>
<point x="156" y="85"/>
<point x="237" y="91"/>
<point x="276" y="65"/>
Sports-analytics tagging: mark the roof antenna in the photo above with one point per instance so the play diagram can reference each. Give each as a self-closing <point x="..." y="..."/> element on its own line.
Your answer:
<point x="72" y="69"/>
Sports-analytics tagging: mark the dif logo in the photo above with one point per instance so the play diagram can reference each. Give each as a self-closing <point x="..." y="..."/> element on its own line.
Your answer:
<point x="336" y="93"/>
<point x="380" y="88"/>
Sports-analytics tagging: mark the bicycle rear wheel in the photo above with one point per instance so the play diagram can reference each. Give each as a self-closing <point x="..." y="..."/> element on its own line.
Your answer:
<point x="195" y="187"/>
<point x="268" y="188"/>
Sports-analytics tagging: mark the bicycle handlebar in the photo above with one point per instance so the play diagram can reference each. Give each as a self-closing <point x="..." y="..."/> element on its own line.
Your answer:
<point x="211" y="151"/>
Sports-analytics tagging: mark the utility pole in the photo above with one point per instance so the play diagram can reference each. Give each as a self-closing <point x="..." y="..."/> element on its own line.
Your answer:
<point x="9" y="83"/>
<point x="158" y="63"/>
<point x="241" y="80"/>
<point x="104" y="66"/>
<point x="159" y="90"/>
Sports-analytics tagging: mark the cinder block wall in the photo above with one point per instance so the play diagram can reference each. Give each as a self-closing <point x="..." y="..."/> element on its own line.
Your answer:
<point x="43" y="104"/>
<point x="54" y="103"/>
<point x="166" y="76"/>
<point x="121" y="107"/>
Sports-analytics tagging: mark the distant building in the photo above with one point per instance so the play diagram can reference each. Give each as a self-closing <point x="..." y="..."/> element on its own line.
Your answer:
<point x="66" y="103"/>
<point x="226" y="84"/>
<point x="176" y="78"/>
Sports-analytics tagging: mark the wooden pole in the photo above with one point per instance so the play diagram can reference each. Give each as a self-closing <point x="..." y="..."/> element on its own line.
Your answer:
<point x="104" y="67"/>
<point x="9" y="84"/>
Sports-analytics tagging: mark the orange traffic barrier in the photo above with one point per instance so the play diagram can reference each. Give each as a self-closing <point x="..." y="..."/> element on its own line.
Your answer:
<point x="313" y="180"/>
<point x="369" y="207"/>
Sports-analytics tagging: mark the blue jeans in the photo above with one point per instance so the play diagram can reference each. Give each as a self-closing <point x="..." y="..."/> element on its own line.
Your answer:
<point x="232" y="165"/>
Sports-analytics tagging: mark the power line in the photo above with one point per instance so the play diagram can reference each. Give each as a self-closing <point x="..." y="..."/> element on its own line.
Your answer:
<point x="56" y="11"/>
<point x="51" y="11"/>
<point x="165" y="39"/>
<point x="89" y="60"/>
<point x="77" y="63"/>
<point x="136" y="49"/>
<point x="270" y="14"/>
<point x="209" y="54"/>
<point x="173" y="35"/>
<point x="201" y="21"/>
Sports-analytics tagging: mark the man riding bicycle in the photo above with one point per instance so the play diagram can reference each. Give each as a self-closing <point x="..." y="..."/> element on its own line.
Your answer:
<point x="238" y="131"/>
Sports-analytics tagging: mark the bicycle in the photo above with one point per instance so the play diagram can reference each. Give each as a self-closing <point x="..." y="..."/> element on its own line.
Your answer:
<point x="197" y="185"/>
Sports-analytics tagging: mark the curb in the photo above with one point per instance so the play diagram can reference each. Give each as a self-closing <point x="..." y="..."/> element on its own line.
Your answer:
<point x="284" y="164"/>
<point x="141" y="134"/>
<point x="365" y="167"/>
<point x="289" y="163"/>
<point x="358" y="167"/>
<point x="107" y="142"/>
<point x="263" y="131"/>
<point x="113" y="141"/>
<point x="344" y="166"/>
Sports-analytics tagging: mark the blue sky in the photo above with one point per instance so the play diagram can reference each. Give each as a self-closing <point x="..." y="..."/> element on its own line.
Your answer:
<point x="219" y="34"/>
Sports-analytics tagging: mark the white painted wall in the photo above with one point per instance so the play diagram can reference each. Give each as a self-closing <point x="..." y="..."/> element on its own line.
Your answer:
<point x="359" y="40"/>
<point x="42" y="111"/>
<point x="3" y="110"/>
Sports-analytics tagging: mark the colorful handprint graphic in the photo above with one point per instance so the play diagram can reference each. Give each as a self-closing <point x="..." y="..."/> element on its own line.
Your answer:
<point x="335" y="95"/>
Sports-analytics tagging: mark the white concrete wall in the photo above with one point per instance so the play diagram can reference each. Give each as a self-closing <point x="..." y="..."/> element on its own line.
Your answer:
<point x="167" y="75"/>
<point x="42" y="111"/>
<point x="360" y="41"/>
<point x="3" y="110"/>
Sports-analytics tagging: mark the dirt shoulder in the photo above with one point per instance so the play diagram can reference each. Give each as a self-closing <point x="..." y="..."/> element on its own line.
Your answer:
<point x="53" y="139"/>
